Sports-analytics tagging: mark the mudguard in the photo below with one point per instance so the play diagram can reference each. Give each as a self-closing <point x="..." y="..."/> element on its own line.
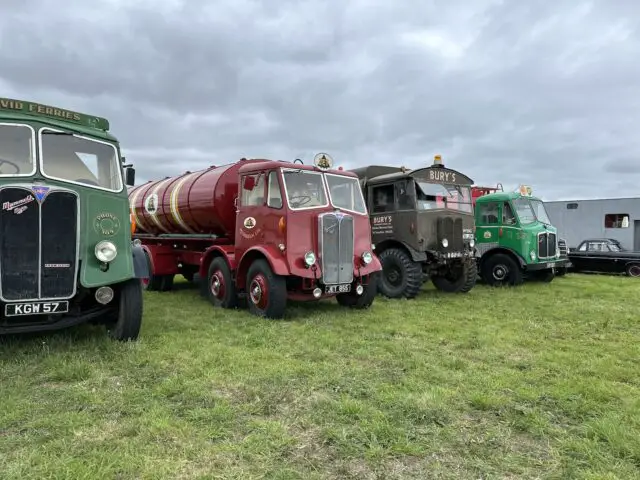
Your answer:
<point x="140" y="264"/>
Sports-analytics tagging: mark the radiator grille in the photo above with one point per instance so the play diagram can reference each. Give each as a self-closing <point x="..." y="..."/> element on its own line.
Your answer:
<point x="451" y="229"/>
<point x="336" y="238"/>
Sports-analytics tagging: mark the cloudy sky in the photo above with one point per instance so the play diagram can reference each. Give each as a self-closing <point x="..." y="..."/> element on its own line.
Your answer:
<point x="531" y="91"/>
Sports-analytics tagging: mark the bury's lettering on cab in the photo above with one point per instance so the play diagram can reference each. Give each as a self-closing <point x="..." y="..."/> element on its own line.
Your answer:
<point x="442" y="176"/>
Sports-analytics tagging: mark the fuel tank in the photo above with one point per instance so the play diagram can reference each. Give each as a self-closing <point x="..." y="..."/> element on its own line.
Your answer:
<point x="200" y="202"/>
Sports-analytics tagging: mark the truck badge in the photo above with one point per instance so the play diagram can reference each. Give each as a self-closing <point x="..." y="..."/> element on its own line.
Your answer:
<point x="249" y="223"/>
<point x="107" y="224"/>
<point x="40" y="192"/>
<point x="18" y="206"/>
<point x="151" y="204"/>
<point x="487" y="234"/>
<point x="323" y="161"/>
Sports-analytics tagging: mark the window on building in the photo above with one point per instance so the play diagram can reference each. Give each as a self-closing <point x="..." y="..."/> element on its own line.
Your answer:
<point x="572" y="206"/>
<point x="489" y="213"/>
<point x="616" y="220"/>
<point x="383" y="200"/>
<point x="253" y="190"/>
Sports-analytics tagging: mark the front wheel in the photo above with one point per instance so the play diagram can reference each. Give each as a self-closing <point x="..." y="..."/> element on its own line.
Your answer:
<point x="129" y="317"/>
<point x="460" y="278"/>
<point x="501" y="269"/>
<point x="401" y="276"/>
<point x="365" y="300"/>
<point x="266" y="291"/>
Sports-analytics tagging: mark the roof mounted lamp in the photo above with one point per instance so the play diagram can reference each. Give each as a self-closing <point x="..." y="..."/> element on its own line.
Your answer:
<point x="437" y="161"/>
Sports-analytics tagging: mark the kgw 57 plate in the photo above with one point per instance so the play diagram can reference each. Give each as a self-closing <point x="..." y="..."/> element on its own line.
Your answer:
<point x="35" y="308"/>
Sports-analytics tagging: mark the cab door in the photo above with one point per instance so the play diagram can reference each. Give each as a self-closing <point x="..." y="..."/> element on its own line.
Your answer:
<point x="250" y="218"/>
<point x="487" y="225"/>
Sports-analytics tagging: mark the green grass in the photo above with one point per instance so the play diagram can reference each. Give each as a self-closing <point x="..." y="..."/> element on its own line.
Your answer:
<point x="541" y="381"/>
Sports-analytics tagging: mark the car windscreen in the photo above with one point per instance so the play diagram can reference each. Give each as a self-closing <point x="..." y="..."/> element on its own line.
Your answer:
<point x="304" y="189"/>
<point x="17" y="157"/>
<point x="345" y="193"/>
<point x="436" y="195"/>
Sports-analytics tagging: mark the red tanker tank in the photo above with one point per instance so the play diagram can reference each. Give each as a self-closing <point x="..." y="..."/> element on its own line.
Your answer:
<point x="200" y="202"/>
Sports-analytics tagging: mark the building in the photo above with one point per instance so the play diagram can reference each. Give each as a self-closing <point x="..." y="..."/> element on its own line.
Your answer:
<point x="617" y="218"/>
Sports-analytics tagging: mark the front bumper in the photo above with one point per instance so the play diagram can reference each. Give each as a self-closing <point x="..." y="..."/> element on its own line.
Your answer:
<point x="47" y="323"/>
<point x="556" y="263"/>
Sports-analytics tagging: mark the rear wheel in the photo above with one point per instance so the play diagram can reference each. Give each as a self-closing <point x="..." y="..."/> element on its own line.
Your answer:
<point x="633" y="270"/>
<point x="127" y="323"/>
<point x="401" y="276"/>
<point x="266" y="291"/>
<point x="460" y="278"/>
<point x="353" y="300"/>
<point x="221" y="289"/>
<point x="501" y="269"/>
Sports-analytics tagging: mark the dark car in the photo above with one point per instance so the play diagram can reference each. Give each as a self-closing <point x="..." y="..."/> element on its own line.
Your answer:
<point x="604" y="255"/>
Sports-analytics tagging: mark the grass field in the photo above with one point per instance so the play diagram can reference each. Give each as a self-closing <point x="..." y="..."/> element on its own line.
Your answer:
<point x="541" y="381"/>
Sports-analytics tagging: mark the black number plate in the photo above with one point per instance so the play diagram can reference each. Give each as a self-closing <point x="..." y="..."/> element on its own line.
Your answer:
<point x="346" y="288"/>
<point x="35" y="308"/>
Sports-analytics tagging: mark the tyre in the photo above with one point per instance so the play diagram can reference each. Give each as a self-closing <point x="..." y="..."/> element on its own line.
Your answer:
<point x="401" y="276"/>
<point x="633" y="270"/>
<point x="126" y="325"/>
<point x="460" y="279"/>
<point x="167" y="283"/>
<point x="221" y="289"/>
<point x="266" y="291"/>
<point x="188" y="276"/>
<point x="501" y="269"/>
<point x="353" y="300"/>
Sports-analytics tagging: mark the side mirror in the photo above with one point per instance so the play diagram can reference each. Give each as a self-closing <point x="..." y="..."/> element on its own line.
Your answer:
<point x="249" y="183"/>
<point x="129" y="176"/>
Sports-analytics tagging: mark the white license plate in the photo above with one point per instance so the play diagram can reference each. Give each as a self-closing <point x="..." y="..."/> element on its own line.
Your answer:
<point x="35" y="308"/>
<point x="346" y="288"/>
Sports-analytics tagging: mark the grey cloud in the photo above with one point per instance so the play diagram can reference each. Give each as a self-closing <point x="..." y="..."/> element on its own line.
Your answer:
<point x="514" y="92"/>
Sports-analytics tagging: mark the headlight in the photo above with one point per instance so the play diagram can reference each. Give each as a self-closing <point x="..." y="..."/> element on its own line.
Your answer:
<point x="367" y="258"/>
<point x="472" y="243"/>
<point x="106" y="251"/>
<point x="309" y="258"/>
<point x="533" y="255"/>
<point x="445" y="242"/>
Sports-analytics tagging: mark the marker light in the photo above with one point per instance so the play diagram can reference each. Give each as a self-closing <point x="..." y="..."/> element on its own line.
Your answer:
<point x="309" y="258"/>
<point x="106" y="251"/>
<point x="133" y="223"/>
<point x="367" y="258"/>
<point x="445" y="242"/>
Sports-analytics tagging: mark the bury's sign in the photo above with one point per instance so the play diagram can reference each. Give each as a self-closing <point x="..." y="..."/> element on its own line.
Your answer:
<point x="33" y="108"/>
<point x="442" y="176"/>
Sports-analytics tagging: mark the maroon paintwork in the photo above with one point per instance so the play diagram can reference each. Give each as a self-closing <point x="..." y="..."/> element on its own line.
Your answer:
<point x="203" y="202"/>
<point x="196" y="218"/>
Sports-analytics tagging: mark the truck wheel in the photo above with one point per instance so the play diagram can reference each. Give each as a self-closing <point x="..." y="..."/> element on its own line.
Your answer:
<point x="167" y="283"/>
<point x="353" y="300"/>
<point x="153" y="282"/>
<point x="401" y="276"/>
<point x="500" y="269"/>
<point x="221" y="289"/>
<point x="633" y="270"/>
<point x="266" y="291"/>
<point x="126" y="325"/>
<point x="459" y="280"/>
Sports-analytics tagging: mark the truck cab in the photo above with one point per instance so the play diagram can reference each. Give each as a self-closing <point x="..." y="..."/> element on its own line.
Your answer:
<point x="66" y="255"/>
<point x="515" y="238"/>
<point x="422" y="227"/>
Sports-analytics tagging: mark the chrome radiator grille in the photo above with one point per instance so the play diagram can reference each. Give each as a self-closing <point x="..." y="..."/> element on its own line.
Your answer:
<point x="336" y="247"/>
<point x="546" y="245"/>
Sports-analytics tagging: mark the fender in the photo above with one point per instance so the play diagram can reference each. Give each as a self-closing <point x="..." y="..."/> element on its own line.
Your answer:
<point x="140" y="264"/>
<point x="504" y="250"/>
<point x="225" y="251"/>
<point x="415" y="255"/>
<point x="273" y="256"/>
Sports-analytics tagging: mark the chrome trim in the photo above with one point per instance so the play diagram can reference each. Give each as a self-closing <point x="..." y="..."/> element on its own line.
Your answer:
<point x="52" y="188"/>
<point x="549" y="255"/>
<point x="341" y="217"/>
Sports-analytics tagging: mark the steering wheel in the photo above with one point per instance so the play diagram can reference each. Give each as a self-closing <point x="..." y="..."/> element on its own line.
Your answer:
<point x="300" y="202"/>
<point x="3" y="161"/>
<point x="87" y="181"/>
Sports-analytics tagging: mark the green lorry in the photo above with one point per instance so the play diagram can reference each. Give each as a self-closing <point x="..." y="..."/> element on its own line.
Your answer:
<point x="515" y="239"/>
<point x="66" y="255"/>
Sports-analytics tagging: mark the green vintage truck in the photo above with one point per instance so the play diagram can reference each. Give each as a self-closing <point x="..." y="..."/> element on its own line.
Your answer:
<point x="515" y="239"/>
<point x="66" y="255"/>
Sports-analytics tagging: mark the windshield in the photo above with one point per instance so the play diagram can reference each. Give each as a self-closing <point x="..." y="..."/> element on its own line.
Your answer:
<point x="540" y="211"/>
<point x="16" y="150"/>
<point x="524" y="210"/>
<point x="435" y="195"/>
<point x="79" y="159"/>
<point x="345" y="193"/>
<point x="304" y="189"/>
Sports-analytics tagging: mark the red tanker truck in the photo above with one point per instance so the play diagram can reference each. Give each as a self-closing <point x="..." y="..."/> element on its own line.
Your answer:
<point x="260" y="229"/>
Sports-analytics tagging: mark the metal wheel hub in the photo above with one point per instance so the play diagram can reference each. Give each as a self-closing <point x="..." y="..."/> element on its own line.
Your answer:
<point x="216" y="284"/>
<point x="500" y="272"/>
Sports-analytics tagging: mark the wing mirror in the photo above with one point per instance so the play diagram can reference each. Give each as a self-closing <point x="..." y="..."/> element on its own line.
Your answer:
<point x="129" y="176"/>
